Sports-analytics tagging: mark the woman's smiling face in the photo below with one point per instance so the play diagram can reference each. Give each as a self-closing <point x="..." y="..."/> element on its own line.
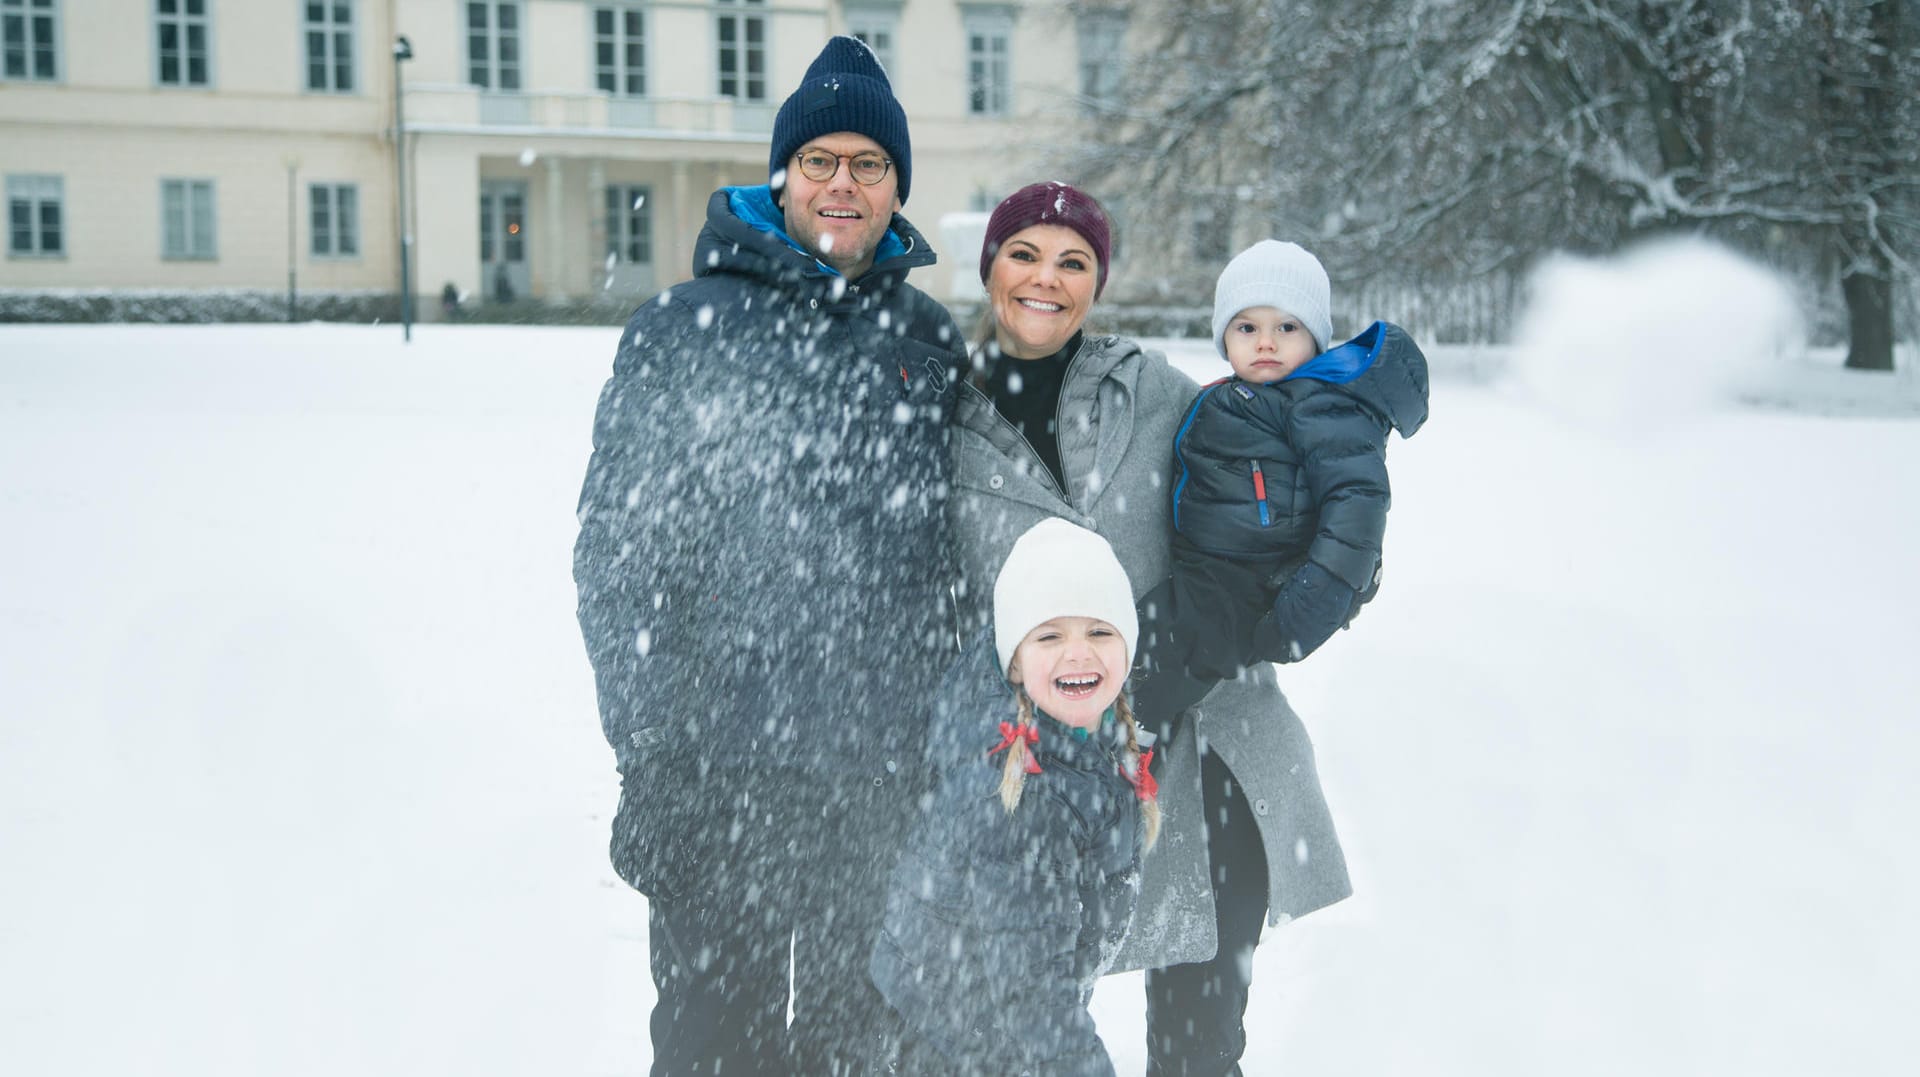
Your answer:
<point x="1072" y="668"/>
<point x="1041" y="288"/>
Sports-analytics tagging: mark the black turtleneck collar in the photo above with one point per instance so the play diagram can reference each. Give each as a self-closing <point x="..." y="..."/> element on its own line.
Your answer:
<point x="1026" y="392"/>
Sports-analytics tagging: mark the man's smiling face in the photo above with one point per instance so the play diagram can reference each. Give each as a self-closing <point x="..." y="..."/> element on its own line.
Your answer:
<point x="837" y="219"/>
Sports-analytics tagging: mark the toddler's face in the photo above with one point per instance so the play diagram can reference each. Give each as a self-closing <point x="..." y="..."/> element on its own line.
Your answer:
<point x="1265" y="344"/>
<point x="1072" y="668"/>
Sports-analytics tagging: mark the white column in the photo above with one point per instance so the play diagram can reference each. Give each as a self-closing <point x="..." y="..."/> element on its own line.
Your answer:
<point x="597" y="223"/>
<point x="556" y="232"/>
<point x="688" y="218"/>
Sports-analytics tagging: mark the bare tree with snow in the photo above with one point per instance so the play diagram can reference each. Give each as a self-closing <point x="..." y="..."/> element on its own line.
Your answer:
<point x="1445" y="140"/>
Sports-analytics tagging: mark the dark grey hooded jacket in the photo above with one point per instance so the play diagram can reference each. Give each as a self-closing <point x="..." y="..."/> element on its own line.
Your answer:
<point x="762" y="562"/>
<point x="998" y="924"/>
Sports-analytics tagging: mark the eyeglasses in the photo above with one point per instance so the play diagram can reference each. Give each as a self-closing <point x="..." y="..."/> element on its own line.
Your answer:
<point x="820" y="166"/>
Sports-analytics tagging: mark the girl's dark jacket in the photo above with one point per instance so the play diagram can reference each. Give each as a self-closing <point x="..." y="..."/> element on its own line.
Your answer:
<point x="1315" y="444"/>
<point x="998" y="924"/>
<point x="762" y="564"/>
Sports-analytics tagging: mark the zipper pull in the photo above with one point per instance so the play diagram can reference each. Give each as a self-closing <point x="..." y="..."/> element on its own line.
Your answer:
<point x="1260" y="494"/>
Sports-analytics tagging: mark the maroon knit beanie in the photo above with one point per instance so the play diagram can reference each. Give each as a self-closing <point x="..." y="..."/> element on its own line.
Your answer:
<point x="1048" y="203"/>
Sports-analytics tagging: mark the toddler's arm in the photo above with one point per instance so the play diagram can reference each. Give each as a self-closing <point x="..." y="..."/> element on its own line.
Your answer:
<point x="1343" y="448"/>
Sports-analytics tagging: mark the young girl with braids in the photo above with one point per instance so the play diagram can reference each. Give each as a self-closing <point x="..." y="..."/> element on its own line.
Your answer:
<point x="1016" y="890"/>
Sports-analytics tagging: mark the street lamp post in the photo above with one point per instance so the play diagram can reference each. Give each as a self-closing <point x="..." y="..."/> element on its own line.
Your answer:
<point x="293" y="243"/>
<point x="402" y="52"/>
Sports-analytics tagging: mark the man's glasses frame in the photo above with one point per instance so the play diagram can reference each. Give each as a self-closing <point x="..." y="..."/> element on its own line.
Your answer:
<point x="867" y="167"/>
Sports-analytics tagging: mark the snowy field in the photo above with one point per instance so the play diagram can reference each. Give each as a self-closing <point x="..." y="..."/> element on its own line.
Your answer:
<point x="300" y="772"/>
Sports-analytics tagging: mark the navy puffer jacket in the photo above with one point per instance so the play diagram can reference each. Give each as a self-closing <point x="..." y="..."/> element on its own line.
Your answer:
<point x="1314" y="444"/>
<point x="998" y="924"/>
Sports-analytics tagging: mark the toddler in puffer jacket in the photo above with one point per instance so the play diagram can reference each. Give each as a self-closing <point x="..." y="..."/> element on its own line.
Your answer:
<point x="1280" y="479"/>
<point x="1018" y="886"/>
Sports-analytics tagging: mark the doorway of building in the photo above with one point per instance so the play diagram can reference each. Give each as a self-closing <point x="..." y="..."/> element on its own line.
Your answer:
<point x="504" y="276"/>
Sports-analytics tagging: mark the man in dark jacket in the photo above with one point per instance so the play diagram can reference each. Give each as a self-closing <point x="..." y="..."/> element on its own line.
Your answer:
<point x="761" y="568"/>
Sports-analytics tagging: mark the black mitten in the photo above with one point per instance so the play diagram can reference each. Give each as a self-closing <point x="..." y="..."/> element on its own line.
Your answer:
<point x="1366" y="594"/>
<point x="1159" y="687"/>
<point x="1158" y="698"/>
<point x="1311" y="607"/>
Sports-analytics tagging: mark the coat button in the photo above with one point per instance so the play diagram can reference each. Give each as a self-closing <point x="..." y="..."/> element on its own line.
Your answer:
<point x="878" y="782"/>
<point x="1259" y="807"/>
<point x="995" y="482"/>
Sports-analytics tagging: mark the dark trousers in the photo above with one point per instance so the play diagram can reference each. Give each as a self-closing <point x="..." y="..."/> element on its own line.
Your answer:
<point x="1196" y="1013"/>
<point x="720" y="957"/>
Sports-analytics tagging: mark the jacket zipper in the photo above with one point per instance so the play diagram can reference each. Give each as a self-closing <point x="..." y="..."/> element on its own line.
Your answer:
<point x="1260" y="493"/>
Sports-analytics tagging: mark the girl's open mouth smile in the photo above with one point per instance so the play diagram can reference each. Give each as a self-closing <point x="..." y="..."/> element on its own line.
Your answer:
<point x="1077" y="686"/>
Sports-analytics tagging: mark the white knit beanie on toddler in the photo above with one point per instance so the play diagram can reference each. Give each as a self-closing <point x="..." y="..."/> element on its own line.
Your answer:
<point x="1058" y="569"/>
<point x="1279" y="275"/>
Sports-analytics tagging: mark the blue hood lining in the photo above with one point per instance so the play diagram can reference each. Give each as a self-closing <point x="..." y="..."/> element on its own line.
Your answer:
<point x="755" y="207"/>
<point x="1343" y="364"/>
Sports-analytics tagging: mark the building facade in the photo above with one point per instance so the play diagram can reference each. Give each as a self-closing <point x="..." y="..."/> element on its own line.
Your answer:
<point x="555" y="150"/>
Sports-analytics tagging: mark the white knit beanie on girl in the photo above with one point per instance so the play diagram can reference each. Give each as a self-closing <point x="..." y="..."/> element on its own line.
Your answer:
<point x="1279" y="275"/>
<point x="1058" y="569"/>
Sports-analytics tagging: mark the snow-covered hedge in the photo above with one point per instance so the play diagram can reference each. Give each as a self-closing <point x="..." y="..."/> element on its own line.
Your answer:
<point x="224" y="305"/>
<point x="262" y="305"/>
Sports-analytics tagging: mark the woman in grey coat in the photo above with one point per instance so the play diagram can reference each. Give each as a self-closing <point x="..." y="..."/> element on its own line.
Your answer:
<point x="1054" y="422"/>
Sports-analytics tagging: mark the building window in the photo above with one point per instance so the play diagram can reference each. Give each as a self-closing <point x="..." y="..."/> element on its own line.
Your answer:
<point x="335" y="210"/>
<point x="989" y="34"/>
<point x="743" y="50"/>
<point x="877" y="26"/>
<point x="34" y="216"/>
<point x="182" y="29"/>
<point x="329" y="33"/>
<point x="186" y="219"/>
<point x="30" y="40"/>
<point x="620" y="50"/>
<point x="493" y="45"/>
<point x="629" y="225"/>
<point x="1103" y="58"/>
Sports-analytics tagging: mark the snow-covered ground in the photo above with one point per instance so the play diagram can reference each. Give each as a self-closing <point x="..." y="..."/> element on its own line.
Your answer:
<point x="300" y="772"/>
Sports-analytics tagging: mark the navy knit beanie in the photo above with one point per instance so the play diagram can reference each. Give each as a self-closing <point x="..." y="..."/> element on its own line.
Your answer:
<point x="844" y="90"/>
<point x="1051" y="202"/>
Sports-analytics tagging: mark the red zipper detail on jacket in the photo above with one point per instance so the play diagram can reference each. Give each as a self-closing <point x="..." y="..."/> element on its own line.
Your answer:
<point x="1260" y="493"/>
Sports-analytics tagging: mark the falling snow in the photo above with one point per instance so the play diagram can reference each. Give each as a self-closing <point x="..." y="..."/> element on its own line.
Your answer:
<point x="302" y="770"/>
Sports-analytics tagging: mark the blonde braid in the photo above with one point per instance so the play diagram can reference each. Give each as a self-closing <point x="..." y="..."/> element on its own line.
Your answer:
<point x="1013" y="773"/>
<point x="1149" y="807"/>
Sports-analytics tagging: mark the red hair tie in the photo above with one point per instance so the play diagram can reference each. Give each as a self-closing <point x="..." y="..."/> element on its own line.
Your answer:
<point x="1142" y="778"/>
<point x="1011" y="734"/>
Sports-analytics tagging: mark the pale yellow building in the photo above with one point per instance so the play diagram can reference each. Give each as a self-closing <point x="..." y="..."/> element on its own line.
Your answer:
<point x="555" y="149"/>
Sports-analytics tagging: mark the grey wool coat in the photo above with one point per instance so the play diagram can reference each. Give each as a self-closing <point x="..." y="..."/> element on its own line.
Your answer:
<point x="1118" y="413"/>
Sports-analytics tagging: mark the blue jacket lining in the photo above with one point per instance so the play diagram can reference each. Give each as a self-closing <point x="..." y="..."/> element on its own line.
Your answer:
<point x="754" y="206"/>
